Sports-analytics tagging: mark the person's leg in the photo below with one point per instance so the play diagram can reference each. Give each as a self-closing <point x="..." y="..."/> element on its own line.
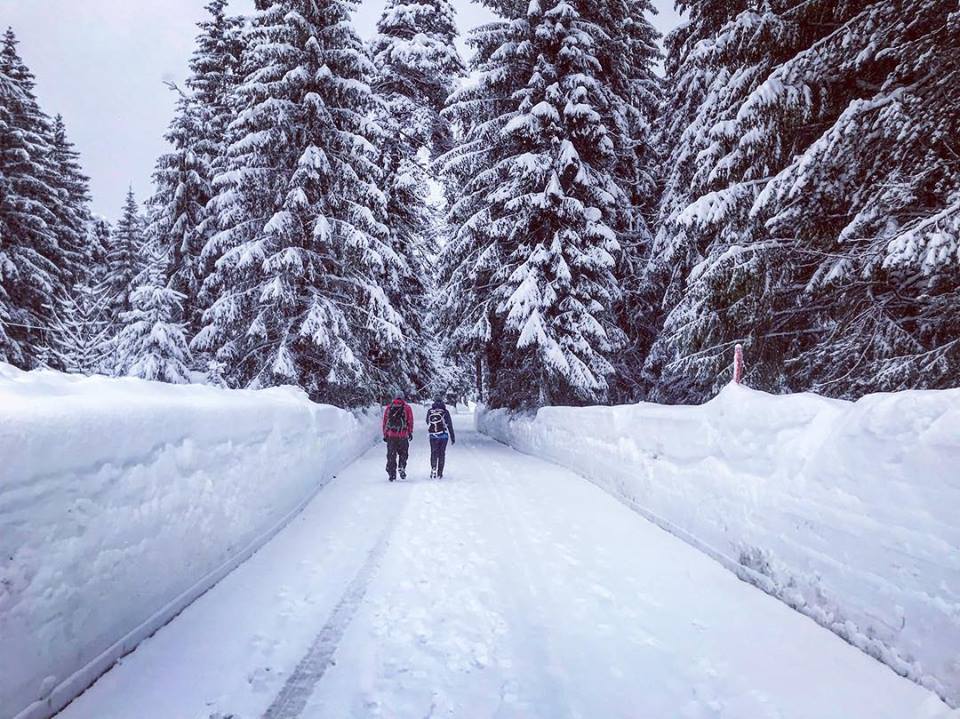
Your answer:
<point x="392" y="459"/>
<point x="441" y="455"/>
<point x="403" y="451"/>
<point x="434" y="454"/>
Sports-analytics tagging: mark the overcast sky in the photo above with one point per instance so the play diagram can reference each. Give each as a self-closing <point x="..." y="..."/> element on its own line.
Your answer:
<point x="102" y="64"/>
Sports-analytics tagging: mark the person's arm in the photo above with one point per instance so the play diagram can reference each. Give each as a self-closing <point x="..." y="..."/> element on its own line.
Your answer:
<point x="453" y="436"/>
<point x="383" y="423"/>
<point x="409" y="410"/>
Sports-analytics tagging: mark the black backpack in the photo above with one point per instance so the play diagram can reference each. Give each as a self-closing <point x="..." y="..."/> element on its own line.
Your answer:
<point x="397" y="419"/>
<point x="436" y="424"/>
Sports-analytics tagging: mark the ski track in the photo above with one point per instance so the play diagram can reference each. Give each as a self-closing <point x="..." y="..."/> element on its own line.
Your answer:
<point x="510" y="589"/>
<point x="293" y="697"/>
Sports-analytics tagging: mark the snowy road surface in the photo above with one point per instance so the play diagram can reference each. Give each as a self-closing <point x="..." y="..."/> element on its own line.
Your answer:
<point x="510" y="589"/>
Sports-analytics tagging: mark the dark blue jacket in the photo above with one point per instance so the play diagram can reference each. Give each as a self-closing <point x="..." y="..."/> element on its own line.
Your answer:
<point x="449" y="422"/>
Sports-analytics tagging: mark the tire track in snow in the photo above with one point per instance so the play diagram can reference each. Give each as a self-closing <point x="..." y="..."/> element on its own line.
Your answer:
<point x="296" y="692"/>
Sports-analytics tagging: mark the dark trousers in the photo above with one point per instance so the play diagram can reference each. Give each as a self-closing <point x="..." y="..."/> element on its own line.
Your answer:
<point x="397" y="449"/>
<point x="438" y="453"/>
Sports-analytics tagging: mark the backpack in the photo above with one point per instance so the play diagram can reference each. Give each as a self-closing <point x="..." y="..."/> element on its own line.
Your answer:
<point x="436" y="424"/>
<point x="397" y="419"/>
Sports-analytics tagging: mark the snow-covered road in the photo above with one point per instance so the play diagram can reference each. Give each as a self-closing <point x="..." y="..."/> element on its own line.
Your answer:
<point x="512" y="588"/>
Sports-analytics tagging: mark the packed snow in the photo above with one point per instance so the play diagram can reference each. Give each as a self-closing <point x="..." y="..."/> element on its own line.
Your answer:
<point x="845" y="511"/>
<point x="122" y="500"/>
<point x="512" y="588"/>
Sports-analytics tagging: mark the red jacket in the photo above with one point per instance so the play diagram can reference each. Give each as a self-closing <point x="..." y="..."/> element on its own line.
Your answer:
<point x="408" y="411"/>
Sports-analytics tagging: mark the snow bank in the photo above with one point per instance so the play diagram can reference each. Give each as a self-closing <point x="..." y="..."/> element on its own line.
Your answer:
<point x="849" y="512"/>
<point x="121" y="501"/>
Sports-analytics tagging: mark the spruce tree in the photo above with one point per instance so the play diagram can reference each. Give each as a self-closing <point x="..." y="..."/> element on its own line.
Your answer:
<point x="81" y="329"/>
<point x="183" y="176"/>
<point x="32" y="263"/>
<point x="301" y="247"/>
<point x="99" y="233"/>
<point x="153" y="344"/>
<point x="417" y="68"/>
<point x="124" y="258"/>
<point x="811" y="155"/>
<point x="538" y="203"/>
<point x="73" y="211"/>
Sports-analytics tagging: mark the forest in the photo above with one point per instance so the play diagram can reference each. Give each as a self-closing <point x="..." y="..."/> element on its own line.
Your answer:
<point x="582" y="213"/>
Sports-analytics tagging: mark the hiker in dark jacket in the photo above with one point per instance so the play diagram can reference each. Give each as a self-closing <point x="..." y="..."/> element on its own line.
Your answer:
<point x="440" y="429"/>
<point x="397" y="433"/>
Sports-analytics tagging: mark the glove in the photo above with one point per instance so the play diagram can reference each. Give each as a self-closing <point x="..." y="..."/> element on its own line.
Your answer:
<point x="384" y="439"/>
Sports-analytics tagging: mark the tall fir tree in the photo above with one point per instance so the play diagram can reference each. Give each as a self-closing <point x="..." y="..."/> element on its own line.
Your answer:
<point x="33" y="264"/>
<point x="183" y="177"/>
<point x="633" y="47"/>
<point x="809" y="158"/>
<point x="73" y="212"/>
<point x="539" y="201"/>
<point x="301" y="248"/>
<point x="99" y="236"/>
<point x="152" y="344"/>
<point x="124" y="257"/>
<point x="84" y="318"/>
<point x="417" y="69"/>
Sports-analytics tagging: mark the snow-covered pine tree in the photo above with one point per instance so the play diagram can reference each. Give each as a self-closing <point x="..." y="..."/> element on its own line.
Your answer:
<point x="689" y="76"/>
<point x="84" y="321"/>
<point x="32" y="262"/>
<point x="125" y="260"/>
<point x="868" y="206"/>
<point x="183" y="177"/>
<point x="698" y="275"/>
<point x="824" y="151"/>
<point x="301" y="246"/>
<point x="632" y="50"/>
<point x="417" y="68"/>
<point x="182" y="189"/>
<point x="538" y="203"/>
<point x="81" y="329"/>
<point x="73" y="211"/>
<point x="99" y="236"/>
<point x="153" y="343"/>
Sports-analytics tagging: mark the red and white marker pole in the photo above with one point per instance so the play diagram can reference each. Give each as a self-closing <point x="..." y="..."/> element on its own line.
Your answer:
<point x="738" y="364"/>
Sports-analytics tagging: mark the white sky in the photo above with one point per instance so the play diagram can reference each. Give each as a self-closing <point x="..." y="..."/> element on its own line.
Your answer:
<point x="102" y="64"/>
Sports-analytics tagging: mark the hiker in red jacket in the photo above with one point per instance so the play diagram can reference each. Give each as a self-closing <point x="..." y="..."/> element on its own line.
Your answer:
<point x="397" y="433"/>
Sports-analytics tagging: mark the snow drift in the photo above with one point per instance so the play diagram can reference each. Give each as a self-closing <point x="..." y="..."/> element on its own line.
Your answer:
<point x="122" y="500"/>
<point x="846" y="511"/>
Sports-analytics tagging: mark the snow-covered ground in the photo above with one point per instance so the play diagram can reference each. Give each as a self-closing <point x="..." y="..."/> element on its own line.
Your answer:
<point x="513" y="588"/>
<point x="123" y="500"/>
<point x="846" y="511"/>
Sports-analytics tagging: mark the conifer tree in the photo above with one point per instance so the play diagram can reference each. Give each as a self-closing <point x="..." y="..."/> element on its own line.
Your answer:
<point x="153" y="344"/>
<point x="301" y="247"/>
<point x="124" y="257"/>
<point x="417" y="68"/>
<point x="811" y="168"/>
<point x="183" y="176"/>
<point x="32" y="263"/>
<point x="539" y="201"/>
<point x="81" y="329"/>
<point x="73" y="210"/>
<point x="99" y="237"/>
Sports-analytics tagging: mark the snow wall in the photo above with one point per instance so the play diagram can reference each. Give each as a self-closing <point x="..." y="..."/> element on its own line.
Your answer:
<point x="121" y="501"/>
<point x="847" y="511"/>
